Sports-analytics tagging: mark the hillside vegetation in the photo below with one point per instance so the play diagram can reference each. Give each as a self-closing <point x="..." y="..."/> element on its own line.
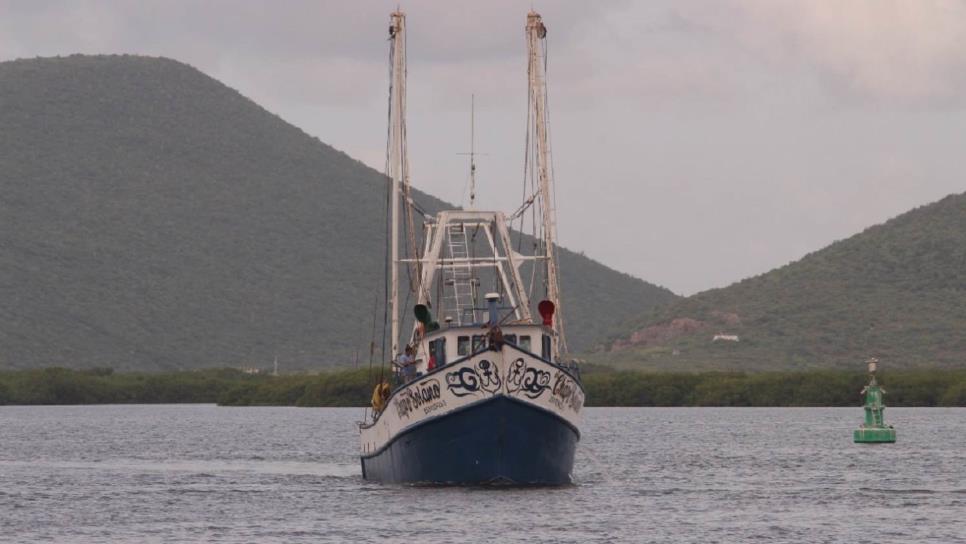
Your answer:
<point x="896" y="291"/>
<point x="152" y="218"/>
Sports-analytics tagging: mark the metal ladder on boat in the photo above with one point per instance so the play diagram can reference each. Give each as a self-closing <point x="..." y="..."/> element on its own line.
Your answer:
<point x="460" y="276"/>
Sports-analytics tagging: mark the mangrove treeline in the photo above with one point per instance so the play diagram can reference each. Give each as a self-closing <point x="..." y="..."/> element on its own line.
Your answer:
<point x="605" y="387"/>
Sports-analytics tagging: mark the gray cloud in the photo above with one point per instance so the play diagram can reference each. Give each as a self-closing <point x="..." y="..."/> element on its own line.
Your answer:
<point x="695" y="143"/>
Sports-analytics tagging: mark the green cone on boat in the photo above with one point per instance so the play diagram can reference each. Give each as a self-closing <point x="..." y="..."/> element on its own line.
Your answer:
<point x="874" y="429"/>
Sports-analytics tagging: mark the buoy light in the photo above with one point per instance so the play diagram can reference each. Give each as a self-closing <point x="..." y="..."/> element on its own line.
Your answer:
<point x="874" y="429"/>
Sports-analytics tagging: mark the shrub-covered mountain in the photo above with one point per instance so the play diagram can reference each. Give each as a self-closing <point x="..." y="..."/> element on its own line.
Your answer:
<point x="153" y="218"/>
<point x="896" y="291"/>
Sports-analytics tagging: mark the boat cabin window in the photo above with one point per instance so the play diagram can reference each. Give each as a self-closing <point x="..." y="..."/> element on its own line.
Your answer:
<point x="523" y="342"/>
<point x="462" y="345"/>
<point x="545" y="353"/>
<point x="437" y="350"/>
<point x="479" y="342"/>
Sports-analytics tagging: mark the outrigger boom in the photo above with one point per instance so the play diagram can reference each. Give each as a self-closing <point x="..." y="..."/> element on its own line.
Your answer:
<point x="447" y="245"/>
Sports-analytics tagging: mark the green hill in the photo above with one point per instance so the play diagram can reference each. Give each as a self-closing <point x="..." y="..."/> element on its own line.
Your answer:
<point x="896" y="291"/>
<point x="153" y="218"/>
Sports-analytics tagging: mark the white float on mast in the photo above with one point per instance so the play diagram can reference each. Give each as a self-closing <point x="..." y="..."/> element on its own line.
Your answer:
<point x="536" y="33"/>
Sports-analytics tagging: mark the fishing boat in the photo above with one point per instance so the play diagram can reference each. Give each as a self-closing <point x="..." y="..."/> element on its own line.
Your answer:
<point x="482" y="390"/>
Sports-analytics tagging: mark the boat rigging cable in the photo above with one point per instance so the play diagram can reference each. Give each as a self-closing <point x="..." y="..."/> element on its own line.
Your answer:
<point x="397" y="56"/>
<point x="398" y="170"/>
<point x="536" y="43"/>
<point x="553" y="182"/>
<point x="388" y="259"/>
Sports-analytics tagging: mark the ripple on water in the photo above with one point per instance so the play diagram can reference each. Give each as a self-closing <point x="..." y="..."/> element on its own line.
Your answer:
<point x="203" y="473"/>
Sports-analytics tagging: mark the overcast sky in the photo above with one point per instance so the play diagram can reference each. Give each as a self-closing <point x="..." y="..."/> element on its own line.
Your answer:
<point x="694" y="143"/>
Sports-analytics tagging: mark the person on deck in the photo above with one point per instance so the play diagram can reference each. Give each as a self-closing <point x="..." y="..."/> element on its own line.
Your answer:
<point x="407" y="364"/>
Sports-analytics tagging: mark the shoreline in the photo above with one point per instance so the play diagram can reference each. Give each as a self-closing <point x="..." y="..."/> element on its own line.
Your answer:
<point x="352" y="388"/>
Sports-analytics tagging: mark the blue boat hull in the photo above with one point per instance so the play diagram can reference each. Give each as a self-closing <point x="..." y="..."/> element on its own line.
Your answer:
<point x="499" y="440"/>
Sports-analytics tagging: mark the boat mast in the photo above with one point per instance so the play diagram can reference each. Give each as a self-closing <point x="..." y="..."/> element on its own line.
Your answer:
<point x="536" y="34"/>
<point x="396" y="160"/>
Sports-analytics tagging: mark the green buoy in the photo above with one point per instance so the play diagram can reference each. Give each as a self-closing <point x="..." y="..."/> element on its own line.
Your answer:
<point x="874" y="429"/>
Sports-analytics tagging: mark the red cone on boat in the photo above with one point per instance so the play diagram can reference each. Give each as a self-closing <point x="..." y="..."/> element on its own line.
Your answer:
<point x="546" y="309"/>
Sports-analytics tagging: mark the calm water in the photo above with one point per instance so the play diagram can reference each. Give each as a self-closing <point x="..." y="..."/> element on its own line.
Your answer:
<point x="203" y="473"/>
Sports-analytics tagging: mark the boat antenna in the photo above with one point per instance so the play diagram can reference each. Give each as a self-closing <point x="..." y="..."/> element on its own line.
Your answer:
<point x="472" y="154"/>
<point x="472" y="151"/>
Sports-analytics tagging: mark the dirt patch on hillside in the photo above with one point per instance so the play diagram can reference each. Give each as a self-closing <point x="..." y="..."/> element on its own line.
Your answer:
<point x="729" y="319"/>
<point x="656" y="335"/>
